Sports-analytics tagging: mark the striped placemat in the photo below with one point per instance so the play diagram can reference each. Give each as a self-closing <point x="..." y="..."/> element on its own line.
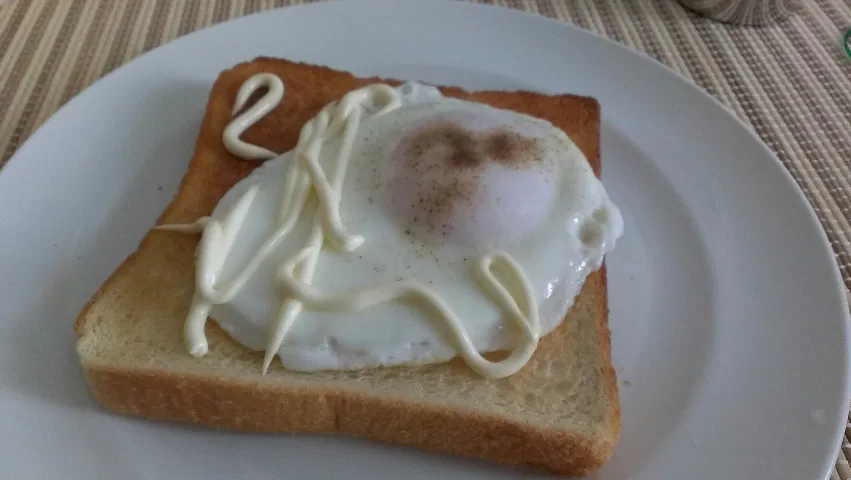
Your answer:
<point x="791" y="81"/>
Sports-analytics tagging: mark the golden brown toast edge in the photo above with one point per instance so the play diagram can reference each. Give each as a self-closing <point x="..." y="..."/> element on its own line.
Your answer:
<point x="255" y="406"/>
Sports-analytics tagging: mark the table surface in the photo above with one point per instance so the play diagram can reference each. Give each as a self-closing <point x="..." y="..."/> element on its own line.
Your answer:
<point x="791" y="81"/>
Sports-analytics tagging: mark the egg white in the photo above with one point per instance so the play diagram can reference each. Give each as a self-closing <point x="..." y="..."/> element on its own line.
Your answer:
<point x="564" y="216"/>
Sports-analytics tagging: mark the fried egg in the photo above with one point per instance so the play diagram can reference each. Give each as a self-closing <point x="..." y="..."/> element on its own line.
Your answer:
<point x="431" y="187"/>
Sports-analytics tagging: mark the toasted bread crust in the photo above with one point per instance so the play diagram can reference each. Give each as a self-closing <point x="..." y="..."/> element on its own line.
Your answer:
<point x="261" y="406"/>
<point x="258" y="407"/>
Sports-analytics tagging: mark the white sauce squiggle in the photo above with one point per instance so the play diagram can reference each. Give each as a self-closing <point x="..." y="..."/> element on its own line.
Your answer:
<point x="295" y="275"/>
<point x="251" y="116"/>
<point x="525" y="316"/>
<point x="197" y="226"/>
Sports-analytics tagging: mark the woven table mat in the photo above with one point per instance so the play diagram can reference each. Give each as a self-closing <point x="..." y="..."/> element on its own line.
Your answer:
<point x="791" y="81"/>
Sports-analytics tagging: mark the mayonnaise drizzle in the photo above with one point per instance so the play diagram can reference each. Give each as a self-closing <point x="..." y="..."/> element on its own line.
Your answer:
<point x="295" y="275"/>
<point x="524" y="316"/>
<point x="248" y="118"/>
<point x="197" y="226"/>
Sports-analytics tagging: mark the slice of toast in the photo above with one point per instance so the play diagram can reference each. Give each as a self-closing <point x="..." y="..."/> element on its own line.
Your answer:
<point x="560" y="413"/>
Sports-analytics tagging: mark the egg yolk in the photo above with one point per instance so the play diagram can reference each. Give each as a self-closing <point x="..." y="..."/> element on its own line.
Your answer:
<point x="470" y="179"/>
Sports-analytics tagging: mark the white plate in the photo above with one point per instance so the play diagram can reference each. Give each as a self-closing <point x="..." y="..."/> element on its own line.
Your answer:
<point x="728" y="316"/>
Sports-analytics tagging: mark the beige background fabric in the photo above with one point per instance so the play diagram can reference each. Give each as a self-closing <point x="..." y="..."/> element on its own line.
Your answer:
<point x="790" y="81"/>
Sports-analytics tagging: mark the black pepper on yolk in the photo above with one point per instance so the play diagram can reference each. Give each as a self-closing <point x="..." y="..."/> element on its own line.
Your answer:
<point x="442" y="168"/>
